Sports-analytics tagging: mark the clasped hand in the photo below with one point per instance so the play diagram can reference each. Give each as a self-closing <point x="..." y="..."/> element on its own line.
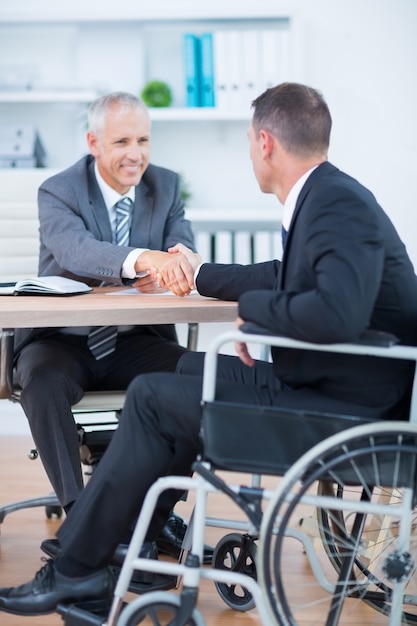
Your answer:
<point x="173" y="270"/>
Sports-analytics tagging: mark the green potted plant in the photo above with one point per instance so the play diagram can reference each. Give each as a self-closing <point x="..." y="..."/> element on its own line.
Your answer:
<point x="156" y="94"/>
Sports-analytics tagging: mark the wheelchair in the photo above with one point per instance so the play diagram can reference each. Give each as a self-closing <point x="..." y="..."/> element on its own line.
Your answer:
<point x="335" y="542"/>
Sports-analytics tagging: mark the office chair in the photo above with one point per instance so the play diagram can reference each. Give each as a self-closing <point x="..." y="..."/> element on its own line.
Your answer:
<point x="93" y="436"/>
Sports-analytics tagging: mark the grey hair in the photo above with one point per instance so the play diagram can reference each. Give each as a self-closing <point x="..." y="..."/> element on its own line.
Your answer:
<point x="123" y="100"/>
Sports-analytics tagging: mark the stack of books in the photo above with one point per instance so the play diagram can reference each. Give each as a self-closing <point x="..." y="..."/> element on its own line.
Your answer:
<point x="228" y="69"/>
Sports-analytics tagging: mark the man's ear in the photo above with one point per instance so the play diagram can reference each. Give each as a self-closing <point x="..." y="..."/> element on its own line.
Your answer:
<point x="92" y="143"/>
<point x="266" y="142"/>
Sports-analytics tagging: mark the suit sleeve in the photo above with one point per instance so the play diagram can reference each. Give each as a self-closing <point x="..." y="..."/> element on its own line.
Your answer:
<point x="338" y="255"/>
<point x="230" y="281"/>
<point x="73" y="242"/>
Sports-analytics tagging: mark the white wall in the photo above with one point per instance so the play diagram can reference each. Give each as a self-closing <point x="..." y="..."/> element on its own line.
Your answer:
<point x="361" y="53"/>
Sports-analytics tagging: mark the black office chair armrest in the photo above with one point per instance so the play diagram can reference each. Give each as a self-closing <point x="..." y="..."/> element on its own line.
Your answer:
<point x="369" y="337"/>
<point x="6" y="363"/>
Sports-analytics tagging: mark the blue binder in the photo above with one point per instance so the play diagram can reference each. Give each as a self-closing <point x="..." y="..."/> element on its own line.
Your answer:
<point x="192" y="70"/>
<point x="207" y="70"/>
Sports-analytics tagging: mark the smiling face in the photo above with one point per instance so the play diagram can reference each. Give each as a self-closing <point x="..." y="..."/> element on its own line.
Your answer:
<point x="122" y="147"/>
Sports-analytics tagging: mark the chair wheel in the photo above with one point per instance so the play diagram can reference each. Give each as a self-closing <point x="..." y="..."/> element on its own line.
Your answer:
<point x="236" y="553"/>
<point x="53" y="511"/>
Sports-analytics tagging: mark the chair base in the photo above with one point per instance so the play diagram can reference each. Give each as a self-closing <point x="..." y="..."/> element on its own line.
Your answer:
<point x="51" y="503"/>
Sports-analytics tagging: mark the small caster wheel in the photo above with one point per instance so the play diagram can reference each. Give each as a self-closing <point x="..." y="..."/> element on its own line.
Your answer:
<point x="236" y="553"/>
<point x="53" y="511"/>
<point x="161" y="607"/>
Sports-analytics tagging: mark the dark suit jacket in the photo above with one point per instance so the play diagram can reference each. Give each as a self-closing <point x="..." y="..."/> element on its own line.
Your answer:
<point x="344" y="270"/>
<point x="76" y="236"/>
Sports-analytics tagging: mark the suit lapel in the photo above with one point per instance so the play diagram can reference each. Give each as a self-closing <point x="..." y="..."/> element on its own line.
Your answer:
<point x="97" y="207"/>
<point x="140" y="233"/>
<point x="313" y="179"/>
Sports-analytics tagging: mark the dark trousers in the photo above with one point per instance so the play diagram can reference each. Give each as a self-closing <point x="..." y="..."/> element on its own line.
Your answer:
<point x="55" y="371"/>
<point x="158" y="435"/>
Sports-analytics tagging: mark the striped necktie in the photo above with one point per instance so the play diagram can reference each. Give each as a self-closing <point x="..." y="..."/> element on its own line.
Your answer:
<point x="122" y="230"/>
<point x="102" y="339"/>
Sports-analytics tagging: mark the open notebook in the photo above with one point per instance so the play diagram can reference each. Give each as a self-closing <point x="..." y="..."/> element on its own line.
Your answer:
<point x="44" y="285"/>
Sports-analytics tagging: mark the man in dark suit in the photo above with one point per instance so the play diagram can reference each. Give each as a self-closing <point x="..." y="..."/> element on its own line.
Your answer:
<point x="344" y="270"/>
<point x="78" y="229"/>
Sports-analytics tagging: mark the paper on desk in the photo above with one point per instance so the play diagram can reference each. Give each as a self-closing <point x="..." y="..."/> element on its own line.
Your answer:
<point x="134" y="292"/>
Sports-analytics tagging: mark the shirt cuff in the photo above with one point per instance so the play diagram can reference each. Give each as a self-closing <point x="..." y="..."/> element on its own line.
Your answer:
<point x="196" y="274"/>
<point x="128" y="268"/>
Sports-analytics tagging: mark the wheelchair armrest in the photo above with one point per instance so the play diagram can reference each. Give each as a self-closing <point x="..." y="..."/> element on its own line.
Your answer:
<point x="369" y="337"/>
<point x="6" y="363"/>
<point x="384" y="347"/>
<point x="372" y="337"/>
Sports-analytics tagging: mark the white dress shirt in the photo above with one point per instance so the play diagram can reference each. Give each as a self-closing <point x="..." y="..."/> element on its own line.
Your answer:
<point x="291" y="199"/>
<point x="111" y="197"/>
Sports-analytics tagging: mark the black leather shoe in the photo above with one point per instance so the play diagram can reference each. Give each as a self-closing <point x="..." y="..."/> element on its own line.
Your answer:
<point x="170" y="539"/>
<point x="141" y="581"/>
<point x="148" y="551"/>
<point x="49" y="587"/>
<point x="51" y="547"/>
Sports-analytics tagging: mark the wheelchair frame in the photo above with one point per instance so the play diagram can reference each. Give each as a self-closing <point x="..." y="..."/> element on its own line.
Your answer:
<point x="352" y="575"/>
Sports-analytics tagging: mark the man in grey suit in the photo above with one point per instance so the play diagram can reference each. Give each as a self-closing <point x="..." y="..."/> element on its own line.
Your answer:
<point x="78" y="224"/>
<point x="344" y="270"/>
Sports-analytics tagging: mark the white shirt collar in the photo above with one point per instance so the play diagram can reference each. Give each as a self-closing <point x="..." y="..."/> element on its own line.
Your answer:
<point x="109" y="194"/>
<point x="291" y="201"/>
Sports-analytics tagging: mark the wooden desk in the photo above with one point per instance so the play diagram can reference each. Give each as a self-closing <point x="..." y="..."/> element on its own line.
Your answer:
<point x="100" y="308"/>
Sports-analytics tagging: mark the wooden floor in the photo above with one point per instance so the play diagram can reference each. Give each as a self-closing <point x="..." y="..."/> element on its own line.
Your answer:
<point x="23" y="531"/>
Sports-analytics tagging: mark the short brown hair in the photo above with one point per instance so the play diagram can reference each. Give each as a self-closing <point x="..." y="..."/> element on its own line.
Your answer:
<point x="296" y="115"/>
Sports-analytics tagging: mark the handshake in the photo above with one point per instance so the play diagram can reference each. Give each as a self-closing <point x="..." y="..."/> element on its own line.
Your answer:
<point x="173" y="270"/>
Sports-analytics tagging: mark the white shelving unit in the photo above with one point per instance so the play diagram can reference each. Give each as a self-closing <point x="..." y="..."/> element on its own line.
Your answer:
<point x="197" y="114"/>
<point x="72" y="54"/>
<point x="32" y="96"/>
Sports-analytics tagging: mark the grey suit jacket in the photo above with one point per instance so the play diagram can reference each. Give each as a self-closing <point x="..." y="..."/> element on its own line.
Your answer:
<point x="76" y="236"/>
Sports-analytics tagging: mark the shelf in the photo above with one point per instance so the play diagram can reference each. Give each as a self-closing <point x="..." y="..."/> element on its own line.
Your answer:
<point x="31" y="96"/>
<point x="168" y="114"/>
<point x="60" y="61"/>
<point x="197" y="114"/>
<point x="127" y="10"/>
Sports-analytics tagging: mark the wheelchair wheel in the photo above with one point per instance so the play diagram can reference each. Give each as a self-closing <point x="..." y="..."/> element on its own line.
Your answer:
<point x="160" y="607"/>
<point x="378" y="538"/>
<point x="236" y="553"/>
<point x="365" y="516"/>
